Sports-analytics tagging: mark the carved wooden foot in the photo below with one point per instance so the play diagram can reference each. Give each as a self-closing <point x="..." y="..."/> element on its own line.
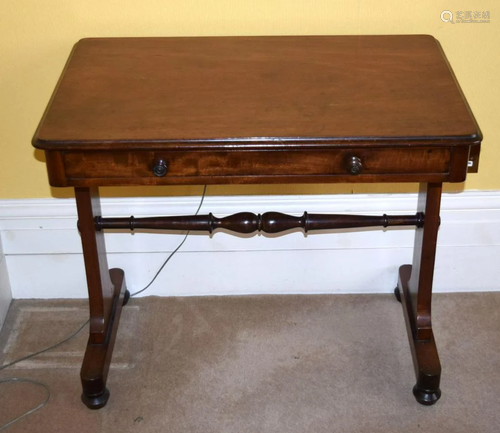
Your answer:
<point x="126" y="298"/>
<point x="424" y="352"/>
<point x="97" y="358"/>
<point x="397" y="294"/>
<point x="97" y="401"/>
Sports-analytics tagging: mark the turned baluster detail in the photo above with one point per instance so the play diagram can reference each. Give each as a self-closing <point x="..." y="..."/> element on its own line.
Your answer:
<point x="269" y="222"/>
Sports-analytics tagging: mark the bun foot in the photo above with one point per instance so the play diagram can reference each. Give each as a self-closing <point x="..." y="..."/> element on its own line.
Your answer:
<point x="426" y="397"/>
<point x="126" y="297"/>
<point x="397" y="294"/>
<point x="96" y="402"/>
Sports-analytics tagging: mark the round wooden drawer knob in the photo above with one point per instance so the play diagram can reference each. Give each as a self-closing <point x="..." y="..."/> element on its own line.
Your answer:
<point x="355" y="165"/>
<point x="160" y="168"/>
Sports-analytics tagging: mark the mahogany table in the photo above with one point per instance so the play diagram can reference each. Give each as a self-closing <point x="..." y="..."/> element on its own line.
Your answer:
<point x="232" y="110"/>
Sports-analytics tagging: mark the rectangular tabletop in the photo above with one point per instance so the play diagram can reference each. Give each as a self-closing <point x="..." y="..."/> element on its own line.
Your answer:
<point x="254" y="93"/>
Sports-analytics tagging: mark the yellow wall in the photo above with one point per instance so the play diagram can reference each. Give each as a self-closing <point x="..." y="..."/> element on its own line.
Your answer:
<point x="36" y="38"/>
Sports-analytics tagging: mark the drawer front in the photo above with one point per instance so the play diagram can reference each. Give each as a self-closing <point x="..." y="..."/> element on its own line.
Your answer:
<point x="358" y="162"/>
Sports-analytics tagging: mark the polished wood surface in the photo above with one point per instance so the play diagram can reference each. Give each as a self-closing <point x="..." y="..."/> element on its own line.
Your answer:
<point x="424" y="252"/>
<point x="100" y="286"/>
<point x="97" y="359"/>
<point x="424" y="352"/>
<point x="107" y="293"/>
<point x="415" y="293"/>
<point x="269" y="222"/>
<point x="257" y="110"/>
<point x="228" y="110"/>
<point x="396" y="164"/>
<point x="264" y="90"/>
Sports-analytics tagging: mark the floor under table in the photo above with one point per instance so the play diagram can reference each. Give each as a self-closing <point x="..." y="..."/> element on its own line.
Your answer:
<point x="322" y="363"/>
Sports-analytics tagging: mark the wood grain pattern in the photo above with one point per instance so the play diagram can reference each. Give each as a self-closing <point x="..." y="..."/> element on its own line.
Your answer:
<point x="123" y="164"/>
<point x="267" y="90"/>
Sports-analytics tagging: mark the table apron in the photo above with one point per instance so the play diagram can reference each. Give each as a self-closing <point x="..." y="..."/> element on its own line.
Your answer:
<point x="392" y="164"/>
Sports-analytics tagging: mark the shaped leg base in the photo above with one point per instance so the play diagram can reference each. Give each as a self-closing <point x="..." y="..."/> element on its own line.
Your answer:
<point x="397" y="294"/>
<point x="424" y="352"/>
<point x="97" y="358"/>
<point x="426" y="397"/>
<point x="96" y="402"/>
<point x="126" y="297"/>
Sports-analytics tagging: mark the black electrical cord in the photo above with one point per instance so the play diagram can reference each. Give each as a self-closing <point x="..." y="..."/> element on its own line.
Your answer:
<point x="173" y="252"/>
<point x="74" y="334"/>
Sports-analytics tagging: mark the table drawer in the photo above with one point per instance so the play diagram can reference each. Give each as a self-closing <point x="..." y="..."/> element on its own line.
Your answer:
<point x="351" y="162"/>
<point x="123" y="164"/>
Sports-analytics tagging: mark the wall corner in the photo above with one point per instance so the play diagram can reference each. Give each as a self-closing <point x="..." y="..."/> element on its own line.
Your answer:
<point x="5" y="292"/>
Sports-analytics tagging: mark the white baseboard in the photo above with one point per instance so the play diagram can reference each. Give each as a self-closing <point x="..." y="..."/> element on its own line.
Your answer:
<point x="43" y="251"/>
<point x="5" y="292"/>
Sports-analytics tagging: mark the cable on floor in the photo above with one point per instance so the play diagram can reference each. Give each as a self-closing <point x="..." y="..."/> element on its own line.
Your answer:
<point x="173" y="252"/>
<point x="74" y="334"/>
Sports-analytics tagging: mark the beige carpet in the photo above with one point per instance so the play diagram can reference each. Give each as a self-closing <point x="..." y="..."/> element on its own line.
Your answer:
<point x="259" y="364"/>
